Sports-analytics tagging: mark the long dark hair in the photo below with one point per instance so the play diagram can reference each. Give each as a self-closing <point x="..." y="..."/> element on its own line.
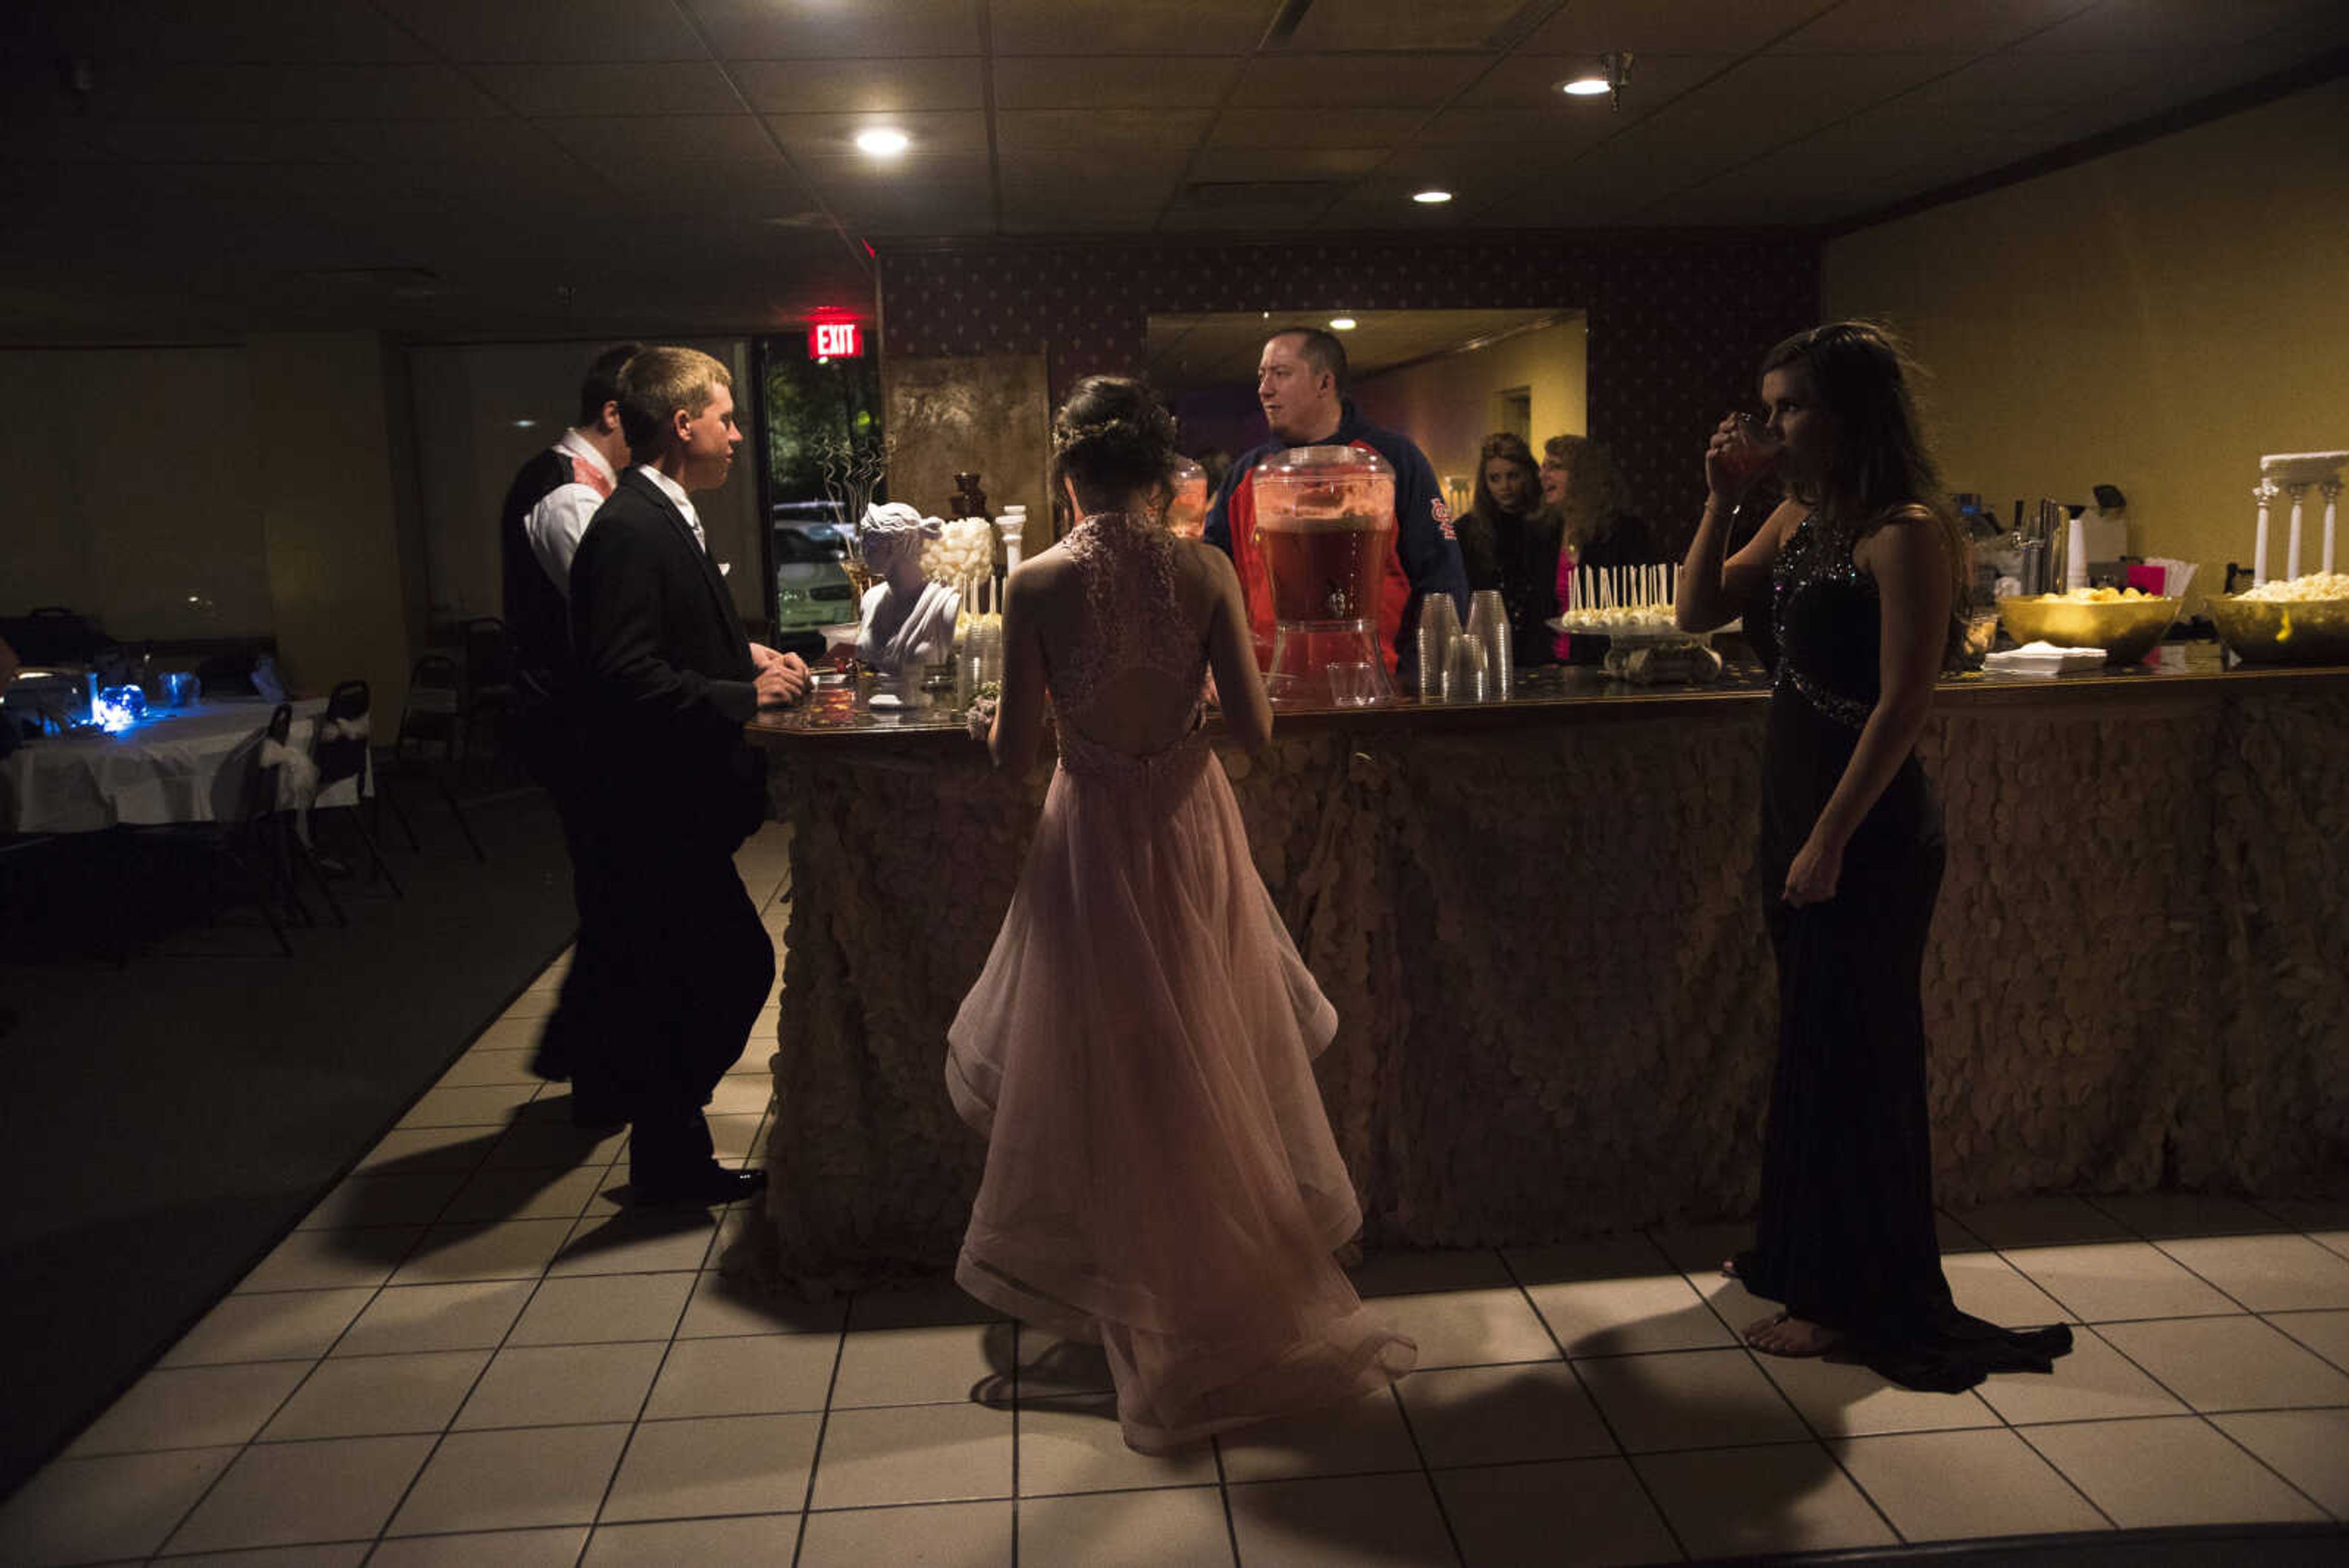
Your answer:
<point x="1513" y="449"/>
<point x="1879" y="468"/>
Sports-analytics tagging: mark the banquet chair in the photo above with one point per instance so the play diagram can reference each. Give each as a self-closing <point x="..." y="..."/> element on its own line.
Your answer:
<point x="488" y="677"/>
<point x="252" y="822"/>
<point x="431" y="719"/>
<point x="268" y="818"/>
<point x="339" y="747"/>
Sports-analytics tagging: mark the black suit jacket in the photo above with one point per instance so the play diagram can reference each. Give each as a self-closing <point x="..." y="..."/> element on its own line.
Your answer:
<point x="664" y="670"/>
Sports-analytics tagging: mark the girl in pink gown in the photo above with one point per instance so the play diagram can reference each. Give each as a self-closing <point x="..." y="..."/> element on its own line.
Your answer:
<point x="1161" y="1178"/>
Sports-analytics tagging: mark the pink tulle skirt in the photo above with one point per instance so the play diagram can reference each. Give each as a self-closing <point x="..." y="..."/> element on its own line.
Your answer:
<point x="1161" y="1178"/>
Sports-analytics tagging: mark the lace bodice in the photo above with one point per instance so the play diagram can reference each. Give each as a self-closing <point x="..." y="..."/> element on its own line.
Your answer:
<point x="1134" y="622"/>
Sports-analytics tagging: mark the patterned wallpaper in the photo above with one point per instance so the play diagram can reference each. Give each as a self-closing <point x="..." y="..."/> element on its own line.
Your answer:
<point x="1677" y="325"/>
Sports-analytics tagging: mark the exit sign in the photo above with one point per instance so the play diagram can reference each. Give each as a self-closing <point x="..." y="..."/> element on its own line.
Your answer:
<point x="836" y="340"/>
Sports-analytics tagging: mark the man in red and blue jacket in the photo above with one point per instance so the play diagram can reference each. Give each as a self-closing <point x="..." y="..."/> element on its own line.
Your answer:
<point x="1301" y="383"/>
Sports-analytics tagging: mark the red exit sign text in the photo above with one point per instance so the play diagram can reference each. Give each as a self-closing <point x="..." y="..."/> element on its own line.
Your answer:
<point x="836" y="340"/>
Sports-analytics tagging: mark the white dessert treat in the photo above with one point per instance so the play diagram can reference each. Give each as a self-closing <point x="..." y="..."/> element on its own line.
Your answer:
<point x="2303" y="589"/>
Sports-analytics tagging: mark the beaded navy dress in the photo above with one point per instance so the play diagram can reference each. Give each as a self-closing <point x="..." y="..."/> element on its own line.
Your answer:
<point x="1844" y="1234"/>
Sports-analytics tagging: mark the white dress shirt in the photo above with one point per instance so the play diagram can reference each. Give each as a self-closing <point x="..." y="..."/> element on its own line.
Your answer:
<point x="555" y="523"/>
<point x="675" y="492"/>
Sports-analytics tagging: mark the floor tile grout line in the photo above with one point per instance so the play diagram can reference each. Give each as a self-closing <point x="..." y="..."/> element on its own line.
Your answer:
<point x="248" y="1443"/>
<point x="635" y="1424"/>
<point x="440" y="1442"/>
<point x="1819" y="1439"/>
<point x="2193" y="1411"/>
<point x="1993" y="1426"/>
<point x="1224" y="1496"/>
<point x="1018" y="1332"/>
<point x="823" y="1429"/>
<point x="1606" y="1422"/>
<point x="1427" y="1475"/>
<point x="2015" y="1430"/>
<point x="2270" y="1320"/>
<point x="2049" y="1291"/>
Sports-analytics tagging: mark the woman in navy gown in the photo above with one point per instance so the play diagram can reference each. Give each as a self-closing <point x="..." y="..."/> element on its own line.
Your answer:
<point x="1862" y="572"/>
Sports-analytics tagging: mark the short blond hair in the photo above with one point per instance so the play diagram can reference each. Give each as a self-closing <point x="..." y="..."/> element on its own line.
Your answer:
<point x="657" y="383"/>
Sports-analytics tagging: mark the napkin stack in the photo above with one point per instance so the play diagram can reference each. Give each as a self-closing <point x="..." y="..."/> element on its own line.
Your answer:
<point x="2043" y="659"/>
<point x="2162" y="575"/>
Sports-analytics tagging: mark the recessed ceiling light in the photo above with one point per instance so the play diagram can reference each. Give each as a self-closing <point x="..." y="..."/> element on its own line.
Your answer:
<point x="883" y="142"/>
<point x="1432" y="198"/>
<point x="1342" y="323"/>
<point x="1584" y="86"/>
<point x="525" y="424"/>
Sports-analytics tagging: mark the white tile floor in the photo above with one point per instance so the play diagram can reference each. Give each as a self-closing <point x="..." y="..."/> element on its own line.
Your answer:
<point x="472" y="1353"/>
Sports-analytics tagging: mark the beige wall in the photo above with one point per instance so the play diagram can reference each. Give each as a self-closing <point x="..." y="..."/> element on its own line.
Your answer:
<point x="321" y="474"/>
<point x="470" y="405"/>
<point x="2155" y="319"/>
<point x="131" y="490"/>
<point x="1450" y="405"/>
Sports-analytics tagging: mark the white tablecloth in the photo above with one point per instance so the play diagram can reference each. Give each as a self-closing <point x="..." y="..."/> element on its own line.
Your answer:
<point x="185" y="765"/>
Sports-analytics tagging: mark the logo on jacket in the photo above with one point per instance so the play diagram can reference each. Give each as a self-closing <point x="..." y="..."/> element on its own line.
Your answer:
<point x="1442" y="516"/>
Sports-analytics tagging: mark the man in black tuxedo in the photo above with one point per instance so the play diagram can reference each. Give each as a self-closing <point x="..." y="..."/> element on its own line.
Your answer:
<point x="667" y="679"/>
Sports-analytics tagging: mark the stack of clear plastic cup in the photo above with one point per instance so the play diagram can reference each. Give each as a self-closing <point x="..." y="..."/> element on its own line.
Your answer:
<point x="1489" y="627"/>
<point x="1467" y="676"/>
<point x="1439" y="625"/>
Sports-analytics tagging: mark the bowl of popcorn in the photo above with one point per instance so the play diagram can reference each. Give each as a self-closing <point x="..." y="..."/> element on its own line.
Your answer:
<point x="2125" y="622"/>
<point x="2299" y="620"/>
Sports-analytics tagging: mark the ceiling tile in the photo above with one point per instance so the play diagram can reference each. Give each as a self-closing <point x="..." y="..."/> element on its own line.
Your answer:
<point x="1286" y="163"/>
<point x="1684" y="26"/>
<point x="745" y="190"/>
<point x="1075" y="206"/>
<point x="156" y="91"/>
<point x="1315" y="128"/>
<point x="838" y="30"/>
<point x="944" y="134"/>
<point x="1366" y="81"/>
<point x="853" y="179"/>
<point x="1404" y="24"/>
<point x="610" y="87"/>
<point x="1109" y="134"/>
<point x="863" y="87"/>
<point x="1559" y="126"/>
<point x="2172" y="24"/>
<point x="1270" y="219"/>
<point x="231" y="140"/>
<point x="649" y="141"/>
<point x="1148" y="28"/>
<point x="1908" y="24"/>
<point x="46" y="144"/>
<point x="1078" y="81"/>
<point x="1772" y="98"/>
<point x="1042" y="166"/>
<point x="921" y="210"/>
<point x="261" y="31"/>
<point x="1527" y="81"/>
<point x="1387" y="196"/>
<point x="1998" y="83"/>
<point x="551" y="29"/>
<point x="438" y="140"/>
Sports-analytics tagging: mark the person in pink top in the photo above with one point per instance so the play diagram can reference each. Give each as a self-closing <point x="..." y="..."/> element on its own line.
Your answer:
<point x="1161" y="1179"/>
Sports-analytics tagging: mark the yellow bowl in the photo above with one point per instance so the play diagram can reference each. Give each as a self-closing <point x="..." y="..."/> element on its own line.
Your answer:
<point x="2126" y="629"/>
<point x="2265" y="631"/>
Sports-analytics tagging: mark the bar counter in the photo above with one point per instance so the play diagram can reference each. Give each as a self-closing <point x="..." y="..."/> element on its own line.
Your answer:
<point x="1540" y="927"/>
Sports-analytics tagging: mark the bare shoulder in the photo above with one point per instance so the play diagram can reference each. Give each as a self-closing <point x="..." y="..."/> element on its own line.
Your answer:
<point x="1903" y="534"/>
<point x="1205" y="560"/>
<point x="1040" y="573"/>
